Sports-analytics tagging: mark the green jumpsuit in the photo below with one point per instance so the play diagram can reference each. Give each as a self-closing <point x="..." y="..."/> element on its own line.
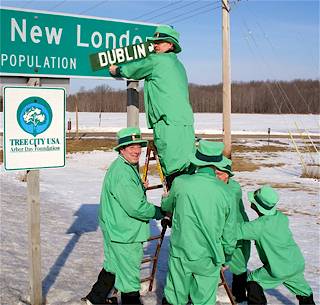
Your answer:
<point x="124" y="215"/>
<point x="167" y="107"/>
<point x="202" y="236"/>
<point x="241" y="255"/>
<point x="282" y="259"/>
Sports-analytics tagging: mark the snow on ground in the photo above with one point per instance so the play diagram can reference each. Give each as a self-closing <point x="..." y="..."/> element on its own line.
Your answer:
<point x="71" y="243"/>
<point x="204" y="122"/>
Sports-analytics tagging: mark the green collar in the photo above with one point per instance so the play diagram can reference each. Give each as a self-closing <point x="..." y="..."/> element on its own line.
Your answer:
<point x="206" y="170"/>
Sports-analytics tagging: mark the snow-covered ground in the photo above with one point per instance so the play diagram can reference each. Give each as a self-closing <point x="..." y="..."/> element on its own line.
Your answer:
<point x="71" y="243"/>
<point x="204" y="122"/>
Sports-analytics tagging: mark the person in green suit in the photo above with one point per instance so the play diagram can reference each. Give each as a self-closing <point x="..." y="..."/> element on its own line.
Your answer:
<point x="282" y="259"/>
<point x="166" y="100"/>
<point x="241" y="255"/>
<point x="124" y="215"/>
<point x="203" y="237"/>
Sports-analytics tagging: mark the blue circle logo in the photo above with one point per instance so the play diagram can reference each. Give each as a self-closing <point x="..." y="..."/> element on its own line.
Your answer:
<point x="34" y="115"/>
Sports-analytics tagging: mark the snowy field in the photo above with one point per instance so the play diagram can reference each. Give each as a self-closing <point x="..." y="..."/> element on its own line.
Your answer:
<point x="204" y="122"/>
<point x="71" y="243"/>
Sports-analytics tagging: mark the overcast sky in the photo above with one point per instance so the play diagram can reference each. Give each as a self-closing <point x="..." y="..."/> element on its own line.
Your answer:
<point x="269" y="39"/>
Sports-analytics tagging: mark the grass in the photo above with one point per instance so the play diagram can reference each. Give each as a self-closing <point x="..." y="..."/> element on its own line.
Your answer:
<point x="240" y="163"/>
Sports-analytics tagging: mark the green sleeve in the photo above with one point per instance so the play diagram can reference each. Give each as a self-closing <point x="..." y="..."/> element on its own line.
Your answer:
<point x="229" y="237"/>
<point x="137" y="70"/>
<point x="250" y="230"/>
<point x="133" y="200"/>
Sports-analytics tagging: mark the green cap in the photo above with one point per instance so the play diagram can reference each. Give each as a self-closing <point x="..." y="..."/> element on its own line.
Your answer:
<point x="265" y="199"/>
<point x="167" y="33"/>
<point x="129" y="135"/>
<point x="210" y="153"/>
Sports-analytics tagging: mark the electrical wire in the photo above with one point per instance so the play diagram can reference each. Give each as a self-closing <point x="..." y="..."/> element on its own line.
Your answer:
<point x="93" y="6"/>
<point x="157" y="10"/>
<point x="186" y="16"/>
<point x="172" y="11"/>
<point x="57" y="5"/>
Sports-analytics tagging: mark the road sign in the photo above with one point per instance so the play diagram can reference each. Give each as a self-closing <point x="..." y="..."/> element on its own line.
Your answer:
<point x="38" y="43"/>
<point x="105" y="59"/>
<point x="34" y="127"/>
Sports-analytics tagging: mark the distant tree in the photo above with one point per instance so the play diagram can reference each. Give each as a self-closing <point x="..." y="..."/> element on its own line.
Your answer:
<point x="297" y="96"/>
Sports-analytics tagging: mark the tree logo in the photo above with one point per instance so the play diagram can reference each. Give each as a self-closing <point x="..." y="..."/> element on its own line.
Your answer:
<point x="34" y="115"/>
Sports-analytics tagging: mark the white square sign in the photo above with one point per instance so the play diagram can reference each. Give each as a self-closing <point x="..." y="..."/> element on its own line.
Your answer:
<point x="34" y="127"/>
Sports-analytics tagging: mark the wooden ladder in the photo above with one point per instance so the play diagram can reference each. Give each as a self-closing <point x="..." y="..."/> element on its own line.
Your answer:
<point x="152" y="155"/>
<point x="226" y="287"/>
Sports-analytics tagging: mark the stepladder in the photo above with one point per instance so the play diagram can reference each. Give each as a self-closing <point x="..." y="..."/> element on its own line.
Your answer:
<point x="152" y="155"/>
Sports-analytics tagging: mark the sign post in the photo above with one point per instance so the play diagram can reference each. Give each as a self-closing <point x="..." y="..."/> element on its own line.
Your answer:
<point x="34" y="138"/>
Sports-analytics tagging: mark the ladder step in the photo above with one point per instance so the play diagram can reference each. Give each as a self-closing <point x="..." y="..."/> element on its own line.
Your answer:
<point x="154" y="237"/>
<point x="153" y="187"/>
<point x="148" y="259"/>
<point x="146" y="279"/>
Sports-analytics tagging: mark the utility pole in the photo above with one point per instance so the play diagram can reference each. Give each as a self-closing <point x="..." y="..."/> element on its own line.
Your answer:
<point x="226" y="87"/>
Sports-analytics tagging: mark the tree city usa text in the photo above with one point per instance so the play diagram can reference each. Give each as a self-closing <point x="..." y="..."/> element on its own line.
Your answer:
<point x="29" y="145"/>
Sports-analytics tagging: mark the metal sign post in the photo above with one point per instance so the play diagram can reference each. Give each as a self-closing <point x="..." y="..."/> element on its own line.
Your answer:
<point x="132" y="104"/>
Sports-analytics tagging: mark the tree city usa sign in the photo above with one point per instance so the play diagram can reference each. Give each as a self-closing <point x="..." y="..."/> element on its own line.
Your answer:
<point x="34" y="127"/>
<point x="59" y="45"/>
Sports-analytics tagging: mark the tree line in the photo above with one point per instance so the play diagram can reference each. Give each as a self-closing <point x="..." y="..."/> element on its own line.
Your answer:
<point x="297" y="96"/>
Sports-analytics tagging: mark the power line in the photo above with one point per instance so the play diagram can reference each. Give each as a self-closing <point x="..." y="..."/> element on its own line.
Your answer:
<point x="177" y="20"/>
<point x="156" y="10"/>
<point x="93" y="6"/>
<point x="58" y="4"/>
<point x="170" y="11"/>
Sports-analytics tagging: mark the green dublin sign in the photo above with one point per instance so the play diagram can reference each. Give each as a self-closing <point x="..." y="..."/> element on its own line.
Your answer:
<point x="43" y="44"/>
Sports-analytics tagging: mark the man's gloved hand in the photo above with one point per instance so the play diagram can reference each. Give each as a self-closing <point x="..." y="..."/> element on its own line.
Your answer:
<point x="166" y="221"/>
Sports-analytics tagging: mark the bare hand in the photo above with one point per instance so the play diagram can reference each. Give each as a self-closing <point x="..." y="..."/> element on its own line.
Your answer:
<point x="113" y="69"/>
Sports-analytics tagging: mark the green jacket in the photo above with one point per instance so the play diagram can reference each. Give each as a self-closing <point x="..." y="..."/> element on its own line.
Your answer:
<point x="203" y="222"/>
<point x="166" y="93"/>
<point x="237" y="192"/>
<point x="124" y="211"/>
<point x="275" y="245"/>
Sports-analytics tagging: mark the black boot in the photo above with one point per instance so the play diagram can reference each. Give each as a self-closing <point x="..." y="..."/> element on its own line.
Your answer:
<point x="306" y="300"/>
<point x="255" y="294"/>
<point x="101" y="288"/>
<point x="131" y="298"/>
<point x="239" y="283"/>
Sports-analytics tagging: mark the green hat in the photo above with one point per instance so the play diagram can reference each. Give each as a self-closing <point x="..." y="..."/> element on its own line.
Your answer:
<point x="129" y="135"/>
<point x="265" y="199"/>
<point x="227" y="169"/>
<point x="210" y="153"/>
<point x="167" y="33"/>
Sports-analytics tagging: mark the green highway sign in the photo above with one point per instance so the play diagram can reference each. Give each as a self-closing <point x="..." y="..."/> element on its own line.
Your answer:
<point x="46" y="44"/>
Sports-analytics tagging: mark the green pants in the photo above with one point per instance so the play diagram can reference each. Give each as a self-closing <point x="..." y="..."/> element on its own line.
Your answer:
<point x="175" y="144"/>
<point x="296" y="283"/>
<point x="240" y="257"/>
<point x="124" y="261"/>
<point x="199" y="279"/>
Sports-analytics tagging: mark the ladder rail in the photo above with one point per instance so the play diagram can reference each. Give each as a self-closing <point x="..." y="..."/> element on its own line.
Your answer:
<point x="151" y="149"/>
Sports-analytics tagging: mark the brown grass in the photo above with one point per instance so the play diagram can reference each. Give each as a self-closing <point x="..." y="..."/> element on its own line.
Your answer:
<point x="89" y="145"/>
